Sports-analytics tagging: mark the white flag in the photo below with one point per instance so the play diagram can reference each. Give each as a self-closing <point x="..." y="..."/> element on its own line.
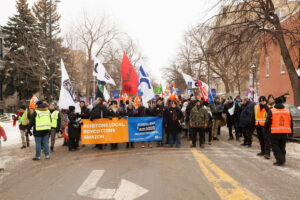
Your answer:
<point x="67" y="95"/>
<point x="145" y="87"/>
<point x="105" y="94"/>
<point x="101" y="73"/>
<point x="189" y="80"/>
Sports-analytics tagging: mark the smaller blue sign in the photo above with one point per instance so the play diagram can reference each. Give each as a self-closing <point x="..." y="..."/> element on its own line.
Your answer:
<point x="145" y="129"/>
<point x="116" y="94"/>
<point x="213" y="92"/>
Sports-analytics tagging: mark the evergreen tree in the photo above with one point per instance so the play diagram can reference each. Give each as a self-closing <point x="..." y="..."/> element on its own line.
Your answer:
<point x="20" y="36"/>
<point x="41" y="11"/>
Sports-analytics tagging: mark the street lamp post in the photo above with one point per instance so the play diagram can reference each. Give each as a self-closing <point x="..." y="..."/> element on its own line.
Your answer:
<point x="253" y="68"/>
<point x="51" y="51"/>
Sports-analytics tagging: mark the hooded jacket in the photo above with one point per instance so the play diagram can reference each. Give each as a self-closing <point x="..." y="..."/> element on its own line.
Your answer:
<point x="32" y="122"/>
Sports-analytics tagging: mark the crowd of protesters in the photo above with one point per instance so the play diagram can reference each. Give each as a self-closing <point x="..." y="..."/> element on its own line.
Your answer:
<point x="193" y="117"/>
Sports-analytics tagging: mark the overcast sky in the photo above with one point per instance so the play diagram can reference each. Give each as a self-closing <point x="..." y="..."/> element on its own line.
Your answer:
<point x="157" y="25"/>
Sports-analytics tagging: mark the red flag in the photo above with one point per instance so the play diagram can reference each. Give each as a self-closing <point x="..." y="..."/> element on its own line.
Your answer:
<point x="129" y="76"/>
<point x="202" y="91"/>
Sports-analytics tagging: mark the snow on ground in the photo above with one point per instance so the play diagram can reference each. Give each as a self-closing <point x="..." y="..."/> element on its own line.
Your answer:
<point x="13" y="134"/>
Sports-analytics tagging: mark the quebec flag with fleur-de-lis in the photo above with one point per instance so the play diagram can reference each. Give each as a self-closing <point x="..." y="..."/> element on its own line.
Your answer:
<point x="145" y="88"/>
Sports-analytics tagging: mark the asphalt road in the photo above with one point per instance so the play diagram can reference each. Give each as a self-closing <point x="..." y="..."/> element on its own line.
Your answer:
<point x="224" y="170"/>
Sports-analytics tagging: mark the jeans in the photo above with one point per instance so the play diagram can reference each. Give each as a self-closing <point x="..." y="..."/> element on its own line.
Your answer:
<point x="177" y="137"/>
<point x="237" y="130"/>
<point x="38" y="145"/>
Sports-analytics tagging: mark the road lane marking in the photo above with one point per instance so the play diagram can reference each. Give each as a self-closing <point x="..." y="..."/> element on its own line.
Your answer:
<point x="126" y="191"/>
<point x="226" y="187"/>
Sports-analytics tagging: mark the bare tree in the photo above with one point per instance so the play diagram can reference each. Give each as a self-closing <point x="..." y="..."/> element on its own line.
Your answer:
<point x="96" y="35"/>
<point x="245" y="22"/>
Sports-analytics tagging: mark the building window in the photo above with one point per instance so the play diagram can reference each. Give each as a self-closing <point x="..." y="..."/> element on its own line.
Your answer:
<point x="267" y="66"/>
<point x="282" y="66"/>
<point x="1" y="49"/>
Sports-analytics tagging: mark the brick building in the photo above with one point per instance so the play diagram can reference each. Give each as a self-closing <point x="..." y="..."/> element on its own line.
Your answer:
<point x="274" y="78"/>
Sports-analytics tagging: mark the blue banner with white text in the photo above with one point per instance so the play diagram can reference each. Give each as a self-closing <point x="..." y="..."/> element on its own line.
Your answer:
<point x="145" y="129"/>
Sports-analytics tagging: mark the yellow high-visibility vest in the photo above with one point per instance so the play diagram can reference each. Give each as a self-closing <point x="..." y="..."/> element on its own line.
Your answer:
<point x="23" y="120"/>
<point x="42" y="120"/>
<point x="54" y="118"/>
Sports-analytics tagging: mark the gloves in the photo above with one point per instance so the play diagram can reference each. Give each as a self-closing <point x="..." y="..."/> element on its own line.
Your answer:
<point x="110" y="118"/>
<point x="29" y="132"/>
<point x="119" y="117"/>
<point x="125" y="117"/>
<point x="4" y="139"/>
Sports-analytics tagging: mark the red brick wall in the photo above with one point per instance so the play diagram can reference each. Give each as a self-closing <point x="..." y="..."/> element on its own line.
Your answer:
<point x="277" y="83"/>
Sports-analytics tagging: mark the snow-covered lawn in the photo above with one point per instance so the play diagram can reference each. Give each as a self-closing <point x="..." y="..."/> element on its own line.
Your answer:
<point x="12" y="133"/>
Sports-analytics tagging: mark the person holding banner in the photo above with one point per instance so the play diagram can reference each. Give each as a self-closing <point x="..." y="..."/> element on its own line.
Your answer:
<point x="145" y="112"/>
<point x="130" y="112"/>
<point x="160" y="111"/>
<point x="198" y="122"/>
<point x="99" y="111"/>
<point x="174" y="116"/>
<point x="114" y="111"/>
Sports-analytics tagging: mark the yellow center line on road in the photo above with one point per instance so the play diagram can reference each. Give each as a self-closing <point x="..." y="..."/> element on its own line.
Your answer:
<point x="226" y="187"/>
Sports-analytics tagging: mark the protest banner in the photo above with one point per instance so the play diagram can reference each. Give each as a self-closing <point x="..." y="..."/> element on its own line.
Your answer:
<point x="101" y="131"/>
<point x="145" y="129"/>
<point x="132" y="129"/>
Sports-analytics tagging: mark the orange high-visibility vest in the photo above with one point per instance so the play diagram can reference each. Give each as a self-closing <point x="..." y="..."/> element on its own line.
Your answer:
<point x="260" y="116"/>
<point x="281" y="121"/>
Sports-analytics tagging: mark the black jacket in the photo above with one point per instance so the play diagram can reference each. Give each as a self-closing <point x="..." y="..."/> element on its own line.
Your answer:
<point x="246" y="117"/>
<point x="32" y="123"/>
<point x="99" y="112"/>
<point x="85" y="113"/>
<point x="130" y="113"/>
<point x="216" y="110"/>
<point x="173" y="118"/>
<point x="74" y="126"/>
<point x="143" y="112"/>
<point x="112" y="113"/>
<point x="231" y="119"/>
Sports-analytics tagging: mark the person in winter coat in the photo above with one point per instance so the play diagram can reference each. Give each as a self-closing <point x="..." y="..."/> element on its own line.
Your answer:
<point x="23" y="117"/>
<point x="114" y="111"/>
<point x="246" y="121"/>
<point x="74" y="129"/>
<point x="130" y="112"/>
<point x="174" y="116"/>
<point x="41" y="124"/>
<point x="188" y="110"/>
<point x="237" y="101"/>
<point x="185" y="121"/>
<point x="198" y="122"/>
<point x="85" y="112"/>
<point x="232" y="110"/>
<point x="209" y="125"/>
<point x="99" y="111"/>
<point x="217" y="109"/>
<point x="280" y="124"/>
<point x="145" y="112"/>
<point x="160" y="111"/>
<point x="55" y="125"/>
